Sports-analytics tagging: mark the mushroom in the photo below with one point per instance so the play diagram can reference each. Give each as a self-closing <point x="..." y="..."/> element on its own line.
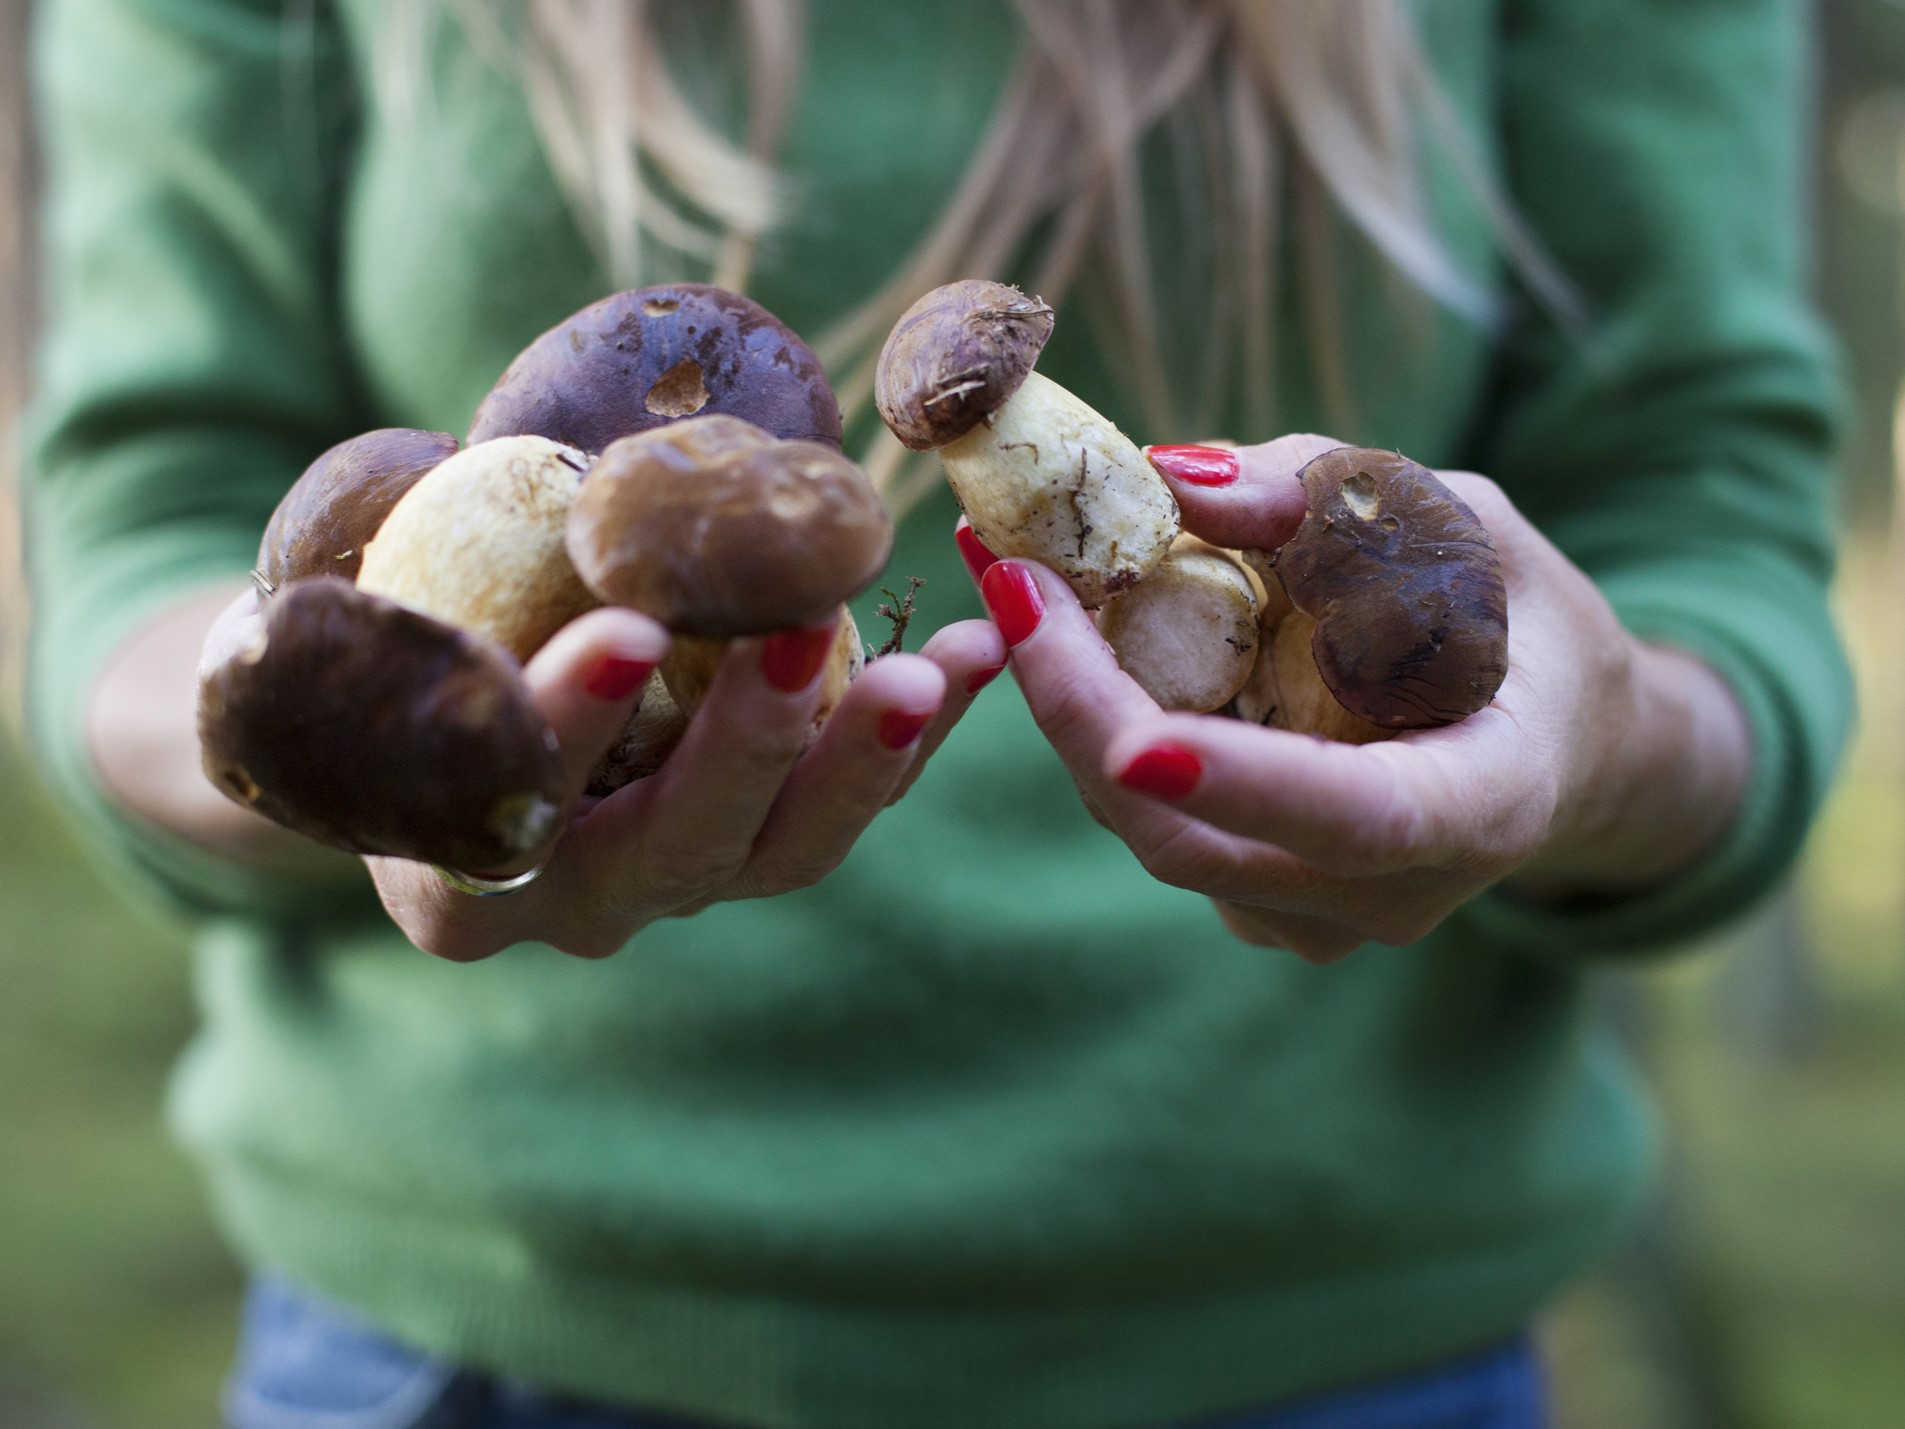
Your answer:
<point x="1188" y="632"/>
<point x="391" y="717"/>
<point x="1038" y="472"/>
<point x="479" y="543"/>
<point x="330" y="514"/>
<point x="643" y="359"/>
<point x="1405" y="588"/>
<point x="718" y="529"/>
<point x="379" y="730"/>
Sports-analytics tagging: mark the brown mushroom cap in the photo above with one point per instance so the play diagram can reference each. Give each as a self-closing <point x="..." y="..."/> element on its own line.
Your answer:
<point x="638" y="360"/>
<point x="1405" y="588"/>
<point x="381" y="731"/>
<point x="332" y="511"/>
<point x="954" y="358"/>
<point x="714" y="528"/>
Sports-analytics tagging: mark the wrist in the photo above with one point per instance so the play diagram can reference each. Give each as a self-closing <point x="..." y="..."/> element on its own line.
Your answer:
<point x="1672" y="756"/>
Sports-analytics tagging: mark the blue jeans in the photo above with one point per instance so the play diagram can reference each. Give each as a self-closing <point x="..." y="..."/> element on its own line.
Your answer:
<point x="305" y="1363"/>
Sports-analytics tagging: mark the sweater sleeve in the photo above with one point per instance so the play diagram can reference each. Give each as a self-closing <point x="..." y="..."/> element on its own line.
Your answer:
<point x="1681" y="452"/>
<point x="193" y="362"/>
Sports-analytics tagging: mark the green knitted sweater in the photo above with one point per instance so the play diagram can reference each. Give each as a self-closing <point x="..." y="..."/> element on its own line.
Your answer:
<point x="988" y="1128"/>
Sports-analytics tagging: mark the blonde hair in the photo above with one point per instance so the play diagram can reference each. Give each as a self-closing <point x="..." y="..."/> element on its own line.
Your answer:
<point x="1327" y="101"/>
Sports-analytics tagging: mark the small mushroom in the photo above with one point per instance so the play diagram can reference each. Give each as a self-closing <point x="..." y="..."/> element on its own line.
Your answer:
<point x="645" y="742"/>
<point x="640" y="360"/>
<point x="1039" y="473"/>
<point x="955" y="357"/>
<point x="334" y="509"/>
<point x="479" y="543"/>
<point x="717" y="529"/>
<point x="379" y="730"/>
<point x="1188" y="632"/>
<point x="1286" y="692"/>
<point x="691" y="662"/>
<point x="1405" y="588"/>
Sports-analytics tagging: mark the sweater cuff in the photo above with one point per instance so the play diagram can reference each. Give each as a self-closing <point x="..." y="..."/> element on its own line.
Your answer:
<point x="1764" y="638"/>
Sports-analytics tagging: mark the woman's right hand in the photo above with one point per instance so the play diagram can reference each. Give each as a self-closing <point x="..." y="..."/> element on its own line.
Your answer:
<point x="739" y="810"/>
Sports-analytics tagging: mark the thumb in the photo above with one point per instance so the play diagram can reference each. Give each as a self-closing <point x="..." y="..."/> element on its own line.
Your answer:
<point x="1241" y="497"/>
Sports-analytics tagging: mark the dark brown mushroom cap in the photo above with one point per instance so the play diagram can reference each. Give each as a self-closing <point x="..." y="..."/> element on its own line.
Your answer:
<point x="955" y="357"/>
<point x="378" y="730"/>
<point x="638" y="360"/>
<point x="331" y="512"/>
<point x="714" y="528"/>
<point x="1405" y="588"/>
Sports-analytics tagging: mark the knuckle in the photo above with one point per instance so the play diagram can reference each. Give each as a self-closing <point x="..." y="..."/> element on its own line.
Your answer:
<point x="693" y="873"/>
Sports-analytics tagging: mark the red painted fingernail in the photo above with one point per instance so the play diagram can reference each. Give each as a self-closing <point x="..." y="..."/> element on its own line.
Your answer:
<point x="979" y="679"/>
<point x="972" y="551"/>
<point x="616" y="677"/>
<point x="791" y="658"/>
<point x="1200" y="466"/>
<point x="899" y="728"/>
<point x="1012" y="600"/>
<point x="1164" y="771"/>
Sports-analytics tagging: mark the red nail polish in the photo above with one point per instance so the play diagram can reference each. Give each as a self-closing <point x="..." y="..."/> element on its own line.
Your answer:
<point x="1164" y="771"/>
<point x="1012" y="600"/>
<point x="791" y="658"/>
<point x="979" y="679"/>
<point x="899" y="728"/>
<point x="616" y="677"/>
<point x="1199" y="466"/>
<point x="973" y="552"/>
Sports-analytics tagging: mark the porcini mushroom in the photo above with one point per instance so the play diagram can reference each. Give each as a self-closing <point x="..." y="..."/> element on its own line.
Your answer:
<point x="1405" y="588"/>
<point x="330" y="514"/>
<point x="379" y="730"/>
<point x="640" y="360"/>
<point x="1038" y="473"/>
<point x="479" y="542"/>
<point x="718" y="529"/>
<point x="1188" y="632"/>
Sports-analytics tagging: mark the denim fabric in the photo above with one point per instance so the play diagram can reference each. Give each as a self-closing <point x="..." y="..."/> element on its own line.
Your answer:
<point x="306" y="1363"/>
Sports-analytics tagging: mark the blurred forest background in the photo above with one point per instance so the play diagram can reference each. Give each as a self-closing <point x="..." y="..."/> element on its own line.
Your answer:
<point x="1765" y="1290"/>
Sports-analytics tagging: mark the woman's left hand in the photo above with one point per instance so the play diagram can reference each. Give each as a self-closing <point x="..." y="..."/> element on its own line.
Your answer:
<point x="1604" y="764"/>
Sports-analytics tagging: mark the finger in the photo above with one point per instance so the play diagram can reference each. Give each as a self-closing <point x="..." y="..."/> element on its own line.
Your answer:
<point x="971" y="654"/>
<point x="1241" y="497"/>
<point x="868" y="744"/>
<point x="1315" y="940"/>
<point x="1073" y="685"/>
<point x="587" y="679"/>
<point x="974" y="552"/>
<point x="1465" y="795"/>
<point x="706" y="806"/>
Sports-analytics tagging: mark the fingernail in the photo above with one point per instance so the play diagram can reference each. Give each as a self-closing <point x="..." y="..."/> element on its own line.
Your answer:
<point x="979" y="679"/>
<point x="1200" y="466"/>
<point x="616" y="677"/>
<point x="1164" y="771"/>
<point x="972" y="551"/>
<point x="899" y="728"/>
<point x="791" y="658"/>
<point x="1012" y="600"/>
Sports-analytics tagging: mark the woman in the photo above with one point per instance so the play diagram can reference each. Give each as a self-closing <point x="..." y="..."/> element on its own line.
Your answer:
<point x="973" y="1123"/>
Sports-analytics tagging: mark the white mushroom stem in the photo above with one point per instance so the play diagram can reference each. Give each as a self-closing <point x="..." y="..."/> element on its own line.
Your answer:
<point x="1286" y="691"/>
<point x="1189" y="633"/>
<point x="1047" y="478"/>
<point x="478" y="543"/>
